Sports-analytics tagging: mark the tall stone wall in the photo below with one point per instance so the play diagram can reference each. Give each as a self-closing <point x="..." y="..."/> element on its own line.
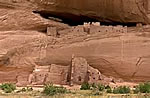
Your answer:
<point x="80" y="70"/>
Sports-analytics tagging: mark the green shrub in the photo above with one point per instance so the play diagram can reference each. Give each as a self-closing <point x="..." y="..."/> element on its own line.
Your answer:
<point x="52" y="90"/>
<point x="121" y="90"/>
<point x="116" y="91"/>
<point x="93" y="86"/>
<point x="136" y="90"/>
<point x="101" y="87"/>
<point x="85" y="86"/>
<point x="107" y="87"/>
<point x="8" y="87"/>
<point x="144" y="87"/>
<point x="109" y="90"/>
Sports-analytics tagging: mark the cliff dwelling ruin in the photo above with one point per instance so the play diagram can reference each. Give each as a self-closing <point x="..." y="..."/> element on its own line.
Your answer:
<point x="75" y="74"/>
<point x="110" y="41"/>
<point x="88" y="28"/>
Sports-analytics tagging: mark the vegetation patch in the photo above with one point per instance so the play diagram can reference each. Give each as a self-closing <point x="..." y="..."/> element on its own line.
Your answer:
<point x="121" y="90"/>
<point x="85" y="86"/>
<point x="51" y="90"/>
<point x="142" y="88"/>
<point x="8" y="87"/>
<point x="93" y="86"/>
<point x="96" y="89"/>
<point x="101" y="87"/>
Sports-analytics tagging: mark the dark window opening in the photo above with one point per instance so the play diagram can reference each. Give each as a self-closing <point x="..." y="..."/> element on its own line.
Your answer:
<point x="79" y="78"/>
<point x="99" y="78"/>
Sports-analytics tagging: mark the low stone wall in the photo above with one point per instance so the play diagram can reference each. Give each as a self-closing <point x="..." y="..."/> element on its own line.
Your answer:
<point x="55" y="74"/>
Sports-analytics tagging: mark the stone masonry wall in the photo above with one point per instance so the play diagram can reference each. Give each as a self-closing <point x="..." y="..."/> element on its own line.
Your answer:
<point x="58" y="74"/>
<point x="90" y="28"/>
<point x="80" y="70"/>
<point x="55" y="74"/>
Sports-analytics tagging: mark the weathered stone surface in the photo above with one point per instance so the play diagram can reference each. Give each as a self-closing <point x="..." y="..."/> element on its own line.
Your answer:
<point x="56" y="74"/>
<point x="25" y="20"/>
<point x="52" y="31"/>
<point x="115" y="54"/>
<point x="19" y="15"/>
<point x="15" y="75"/>
<point x="127" y="11"/>
<point x="80" y="68"/>
<point x="125" y="57"/>
<point x="95" y="75"/>
<point x="22" y="80"/>
<point x="4" y="60"/>
<point x="56" y="78"/>
<point x="80" y="73"/>
<point x="21" y="20"/>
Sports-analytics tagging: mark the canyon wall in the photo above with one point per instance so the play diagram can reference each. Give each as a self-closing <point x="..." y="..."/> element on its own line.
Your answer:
<point x="25" y="44"/>
<point x="121" y="11"/>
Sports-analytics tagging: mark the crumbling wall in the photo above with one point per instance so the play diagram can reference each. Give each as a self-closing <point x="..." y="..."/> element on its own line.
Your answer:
<point x="56" y="74"/>
<point x="87" y="28"/>
<point x="80" y="68"/>
<point x="81" y="72"/>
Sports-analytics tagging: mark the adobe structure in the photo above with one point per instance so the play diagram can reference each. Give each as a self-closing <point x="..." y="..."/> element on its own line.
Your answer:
<point x="81" y="72"/>
<point x="52" y="31"/>
<point x="28" y="56"/>
<point x="88" y="28"/>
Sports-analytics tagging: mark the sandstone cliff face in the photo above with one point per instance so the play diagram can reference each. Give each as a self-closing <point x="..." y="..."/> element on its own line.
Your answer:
<point x="129" y="11"/>
<point x="123" y="11"/>
<point x="22" y="37"/>
<point x="24" y="44"/>
<point x="19" y="15"/>
<point x="125" y="56"/>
